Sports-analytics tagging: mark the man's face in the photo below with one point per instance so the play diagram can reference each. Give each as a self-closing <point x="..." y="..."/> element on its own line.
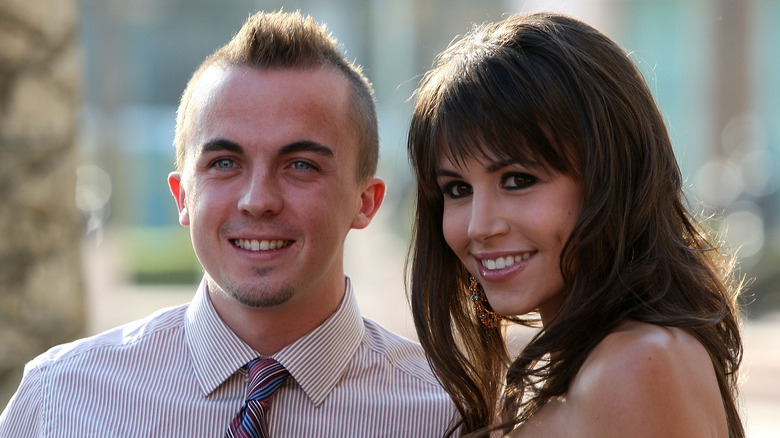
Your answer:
<point x="269" y="187"/>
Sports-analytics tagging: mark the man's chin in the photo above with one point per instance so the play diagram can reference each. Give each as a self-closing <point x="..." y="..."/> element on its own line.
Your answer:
<point x="260" y="296"/>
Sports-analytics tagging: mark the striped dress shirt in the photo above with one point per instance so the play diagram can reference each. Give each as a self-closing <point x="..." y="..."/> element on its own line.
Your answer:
<point x="179" y="373"/>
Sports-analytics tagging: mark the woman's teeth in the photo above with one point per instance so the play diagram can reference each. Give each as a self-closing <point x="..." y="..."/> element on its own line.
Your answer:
<point x="503" y="262"/>
<point x="260" y="245"/>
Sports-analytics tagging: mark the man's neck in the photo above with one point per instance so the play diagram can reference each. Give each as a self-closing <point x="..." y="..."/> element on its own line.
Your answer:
<point x="269" y="329"/>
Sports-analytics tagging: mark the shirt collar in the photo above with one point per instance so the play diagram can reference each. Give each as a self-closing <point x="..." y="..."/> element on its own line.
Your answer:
<point x="216" y="351"/>
<point x="319" y="359"/>
<point x="316" y="361"/>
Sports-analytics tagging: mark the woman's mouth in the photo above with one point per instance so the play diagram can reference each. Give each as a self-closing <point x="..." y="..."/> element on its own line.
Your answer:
<point x="503" y="262"/>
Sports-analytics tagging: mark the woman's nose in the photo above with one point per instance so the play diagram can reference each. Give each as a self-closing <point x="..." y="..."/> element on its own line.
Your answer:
<point x="487" y="218"/>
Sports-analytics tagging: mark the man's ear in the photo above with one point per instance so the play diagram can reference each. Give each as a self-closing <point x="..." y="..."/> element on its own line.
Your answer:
<point x="174" y="182"/>
<point x="370" y="199"/>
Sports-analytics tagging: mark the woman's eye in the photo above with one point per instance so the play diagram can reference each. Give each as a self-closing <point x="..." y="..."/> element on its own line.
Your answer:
<point x="519" y="181"/>
<point x="456" y="189"/>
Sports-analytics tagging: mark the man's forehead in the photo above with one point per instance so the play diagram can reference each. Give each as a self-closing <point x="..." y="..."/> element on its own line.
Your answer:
<point x="208" y="83"/>
<point x="301" y="111"/>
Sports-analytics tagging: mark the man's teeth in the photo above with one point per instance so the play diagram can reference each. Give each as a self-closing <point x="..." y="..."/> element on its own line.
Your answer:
<point x="503" y="262"/>
<point x="260" y="245"/>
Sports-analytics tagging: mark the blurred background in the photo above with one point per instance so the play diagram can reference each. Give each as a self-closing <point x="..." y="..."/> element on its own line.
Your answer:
<point x="89" y="237"/>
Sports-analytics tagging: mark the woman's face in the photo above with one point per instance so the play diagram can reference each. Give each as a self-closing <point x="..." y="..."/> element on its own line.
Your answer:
<point x="508" y="223"/>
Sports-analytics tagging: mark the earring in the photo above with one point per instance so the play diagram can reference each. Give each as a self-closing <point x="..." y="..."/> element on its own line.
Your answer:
<point x="488" y="317"/>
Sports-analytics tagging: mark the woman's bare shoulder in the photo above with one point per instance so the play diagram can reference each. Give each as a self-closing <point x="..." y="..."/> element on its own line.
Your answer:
<point x="648" y="349"/>
<point x="647" y="380"/>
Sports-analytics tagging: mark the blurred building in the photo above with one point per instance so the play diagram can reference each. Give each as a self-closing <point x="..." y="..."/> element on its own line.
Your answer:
<point x="710" y="64"/>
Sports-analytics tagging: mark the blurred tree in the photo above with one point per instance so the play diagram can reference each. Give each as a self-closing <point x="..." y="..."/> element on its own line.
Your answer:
<point x="41" y="289"/>
<point x="730" y="88"/>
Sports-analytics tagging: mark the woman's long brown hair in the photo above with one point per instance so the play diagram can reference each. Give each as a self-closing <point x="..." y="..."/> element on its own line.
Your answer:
<point x="553" y="90"/>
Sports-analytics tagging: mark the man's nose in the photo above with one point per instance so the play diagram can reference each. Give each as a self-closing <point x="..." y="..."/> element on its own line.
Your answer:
<point x="262" y="195"/>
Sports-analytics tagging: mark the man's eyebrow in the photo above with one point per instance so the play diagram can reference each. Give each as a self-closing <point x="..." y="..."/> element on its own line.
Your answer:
<point x="302" y="146"/>
<point x="221" y="144"/>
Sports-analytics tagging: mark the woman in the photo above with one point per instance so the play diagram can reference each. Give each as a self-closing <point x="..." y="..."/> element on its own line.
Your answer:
<point x="547" y="184"/>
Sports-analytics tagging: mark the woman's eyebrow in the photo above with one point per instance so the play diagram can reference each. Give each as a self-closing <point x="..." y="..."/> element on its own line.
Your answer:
<point x="495" y="166"/>
<point x="446" y="173"/>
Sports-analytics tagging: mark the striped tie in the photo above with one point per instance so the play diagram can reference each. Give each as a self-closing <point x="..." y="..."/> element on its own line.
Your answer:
<point x="265" y="377"/>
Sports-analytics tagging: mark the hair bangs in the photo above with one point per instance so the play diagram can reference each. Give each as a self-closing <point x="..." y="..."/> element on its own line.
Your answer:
<point x="492" y="112"/>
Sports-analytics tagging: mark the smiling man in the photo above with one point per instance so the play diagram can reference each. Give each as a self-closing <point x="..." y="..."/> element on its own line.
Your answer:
<point x="269" y="188"/>
<point x="277" y="146"/>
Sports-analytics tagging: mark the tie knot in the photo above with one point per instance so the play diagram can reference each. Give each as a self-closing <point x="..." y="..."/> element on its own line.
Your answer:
<point x="266" y="375"/>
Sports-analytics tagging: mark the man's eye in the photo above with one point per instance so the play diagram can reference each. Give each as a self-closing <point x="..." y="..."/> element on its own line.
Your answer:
<point x="515" y="181"/>
<point x="224" y="163"/>
<point x="456" y="189"/>
<point x="303" y="165"/>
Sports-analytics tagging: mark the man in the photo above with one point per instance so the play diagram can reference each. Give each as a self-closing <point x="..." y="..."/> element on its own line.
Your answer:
<point x="276" y="142"/>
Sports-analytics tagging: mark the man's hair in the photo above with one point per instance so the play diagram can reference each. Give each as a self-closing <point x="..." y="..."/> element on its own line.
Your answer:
<point x="290" y="40"/>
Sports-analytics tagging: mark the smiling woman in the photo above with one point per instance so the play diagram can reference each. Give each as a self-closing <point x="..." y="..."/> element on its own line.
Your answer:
<point x="547" y="184"/>
<point x="507" y="224"/>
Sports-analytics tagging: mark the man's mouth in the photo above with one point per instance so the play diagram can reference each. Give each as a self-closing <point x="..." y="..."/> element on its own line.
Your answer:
<point x="261" y="245"/>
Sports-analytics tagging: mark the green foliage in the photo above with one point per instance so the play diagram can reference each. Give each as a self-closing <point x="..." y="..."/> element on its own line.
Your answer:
<point x="159" y="255"/>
